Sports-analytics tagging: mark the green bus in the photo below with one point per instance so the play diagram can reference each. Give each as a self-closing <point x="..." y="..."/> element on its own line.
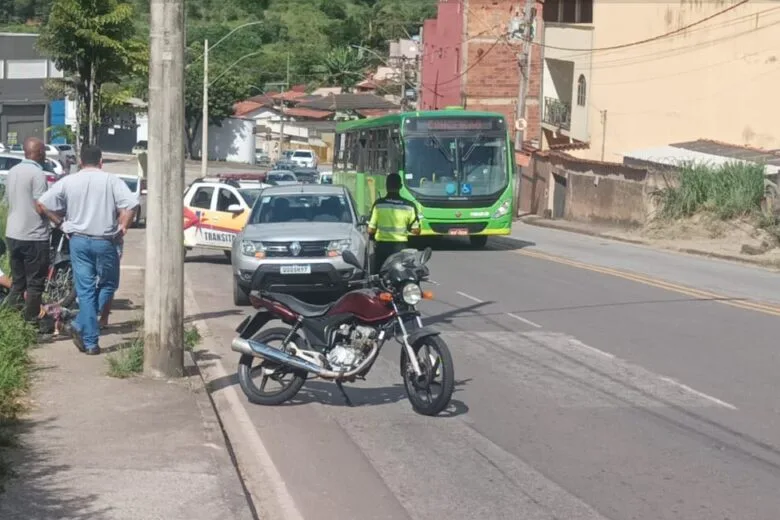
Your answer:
<point x="457" y="167"/>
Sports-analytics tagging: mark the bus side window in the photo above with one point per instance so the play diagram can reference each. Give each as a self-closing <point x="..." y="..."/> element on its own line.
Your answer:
<point x="395" y="154"/>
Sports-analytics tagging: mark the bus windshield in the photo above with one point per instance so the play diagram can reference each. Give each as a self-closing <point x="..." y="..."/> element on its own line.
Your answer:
<point x="455" y="166"/>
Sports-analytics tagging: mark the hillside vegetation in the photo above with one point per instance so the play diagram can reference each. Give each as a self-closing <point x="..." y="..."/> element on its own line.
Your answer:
<point x="303" y="31"/>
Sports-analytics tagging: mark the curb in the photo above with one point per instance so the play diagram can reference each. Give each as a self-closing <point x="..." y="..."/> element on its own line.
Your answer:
<point x="265" y="488"/>
<point x="539" y="222"/>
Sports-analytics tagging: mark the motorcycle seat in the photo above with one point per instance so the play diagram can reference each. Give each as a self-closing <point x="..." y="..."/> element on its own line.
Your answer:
<point x="307" y="310"/>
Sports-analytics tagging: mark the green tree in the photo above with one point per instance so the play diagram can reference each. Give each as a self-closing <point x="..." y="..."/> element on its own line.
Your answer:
<point x="344" y="67"/>
<point x="94" y="42"/>
<point x="223" y="94"/>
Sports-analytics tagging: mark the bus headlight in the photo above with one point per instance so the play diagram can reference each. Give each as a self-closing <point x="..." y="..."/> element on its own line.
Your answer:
<point x="253" y="249"/>
<point x="412" y="294"/>
<point x="503" y="209"/>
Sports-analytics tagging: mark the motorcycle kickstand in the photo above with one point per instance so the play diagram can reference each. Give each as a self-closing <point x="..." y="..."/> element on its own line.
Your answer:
<point x="344" y="393"/>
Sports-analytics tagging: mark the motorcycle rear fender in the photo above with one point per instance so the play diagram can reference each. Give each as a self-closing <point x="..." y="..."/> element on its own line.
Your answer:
<point x="252" y="324"/>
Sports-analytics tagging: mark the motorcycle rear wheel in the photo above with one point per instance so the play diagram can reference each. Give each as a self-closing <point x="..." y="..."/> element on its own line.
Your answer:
<point x="246" y="371"/>
<point x="438" y="373"/>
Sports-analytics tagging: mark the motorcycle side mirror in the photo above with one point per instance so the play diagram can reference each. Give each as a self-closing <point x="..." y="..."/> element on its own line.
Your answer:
<point x="350" y="258"/>
<point x="426" y="255"/>
<point x="363" y="221"/>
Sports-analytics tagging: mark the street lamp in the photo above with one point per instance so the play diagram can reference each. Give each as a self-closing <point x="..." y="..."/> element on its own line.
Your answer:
<point x="204" y="146"/>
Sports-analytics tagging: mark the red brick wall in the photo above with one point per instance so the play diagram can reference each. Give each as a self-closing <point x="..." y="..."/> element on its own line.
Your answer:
<point x="440" y="82"/>
<point x="491" y="81"/>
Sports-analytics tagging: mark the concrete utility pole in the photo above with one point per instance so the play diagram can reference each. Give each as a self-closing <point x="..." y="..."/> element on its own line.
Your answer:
<point x="204" y="138"/>
<point x="524" y="62"/>
<point x="404" y="100"/>
<point x="164" y="275"/>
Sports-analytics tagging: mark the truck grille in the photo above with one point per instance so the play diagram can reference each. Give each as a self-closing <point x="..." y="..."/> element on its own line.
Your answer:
<point x="315" y="249"/>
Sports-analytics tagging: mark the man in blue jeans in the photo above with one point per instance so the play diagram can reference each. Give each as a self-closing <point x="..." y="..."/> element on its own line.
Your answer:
<point x="99" y="208"/>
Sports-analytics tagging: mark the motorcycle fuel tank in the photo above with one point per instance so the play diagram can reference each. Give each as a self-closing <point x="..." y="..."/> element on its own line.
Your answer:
<point x="364" y="305"/>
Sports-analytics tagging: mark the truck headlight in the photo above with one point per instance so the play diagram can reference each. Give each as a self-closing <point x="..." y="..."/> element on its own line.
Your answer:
<point x="253" y="249"/>
<point x="411" y="294"/>
<point x="503" y="209"/>
<point x="337" y="247"/>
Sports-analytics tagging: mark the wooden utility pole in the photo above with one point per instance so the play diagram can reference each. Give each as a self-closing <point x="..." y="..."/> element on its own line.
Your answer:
<point x="164" y="296"/>
<point x="524" y="62"/>
<point x="204" y="130"/>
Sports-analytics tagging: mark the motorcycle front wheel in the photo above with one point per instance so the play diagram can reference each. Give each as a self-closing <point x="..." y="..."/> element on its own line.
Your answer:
<point x="288" y="381"/>
<point x="431" y="392"/>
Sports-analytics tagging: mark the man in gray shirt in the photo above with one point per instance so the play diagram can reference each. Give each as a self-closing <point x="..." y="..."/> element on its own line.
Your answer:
<point x="27" y="229"/>
<point x="91" y="200"/>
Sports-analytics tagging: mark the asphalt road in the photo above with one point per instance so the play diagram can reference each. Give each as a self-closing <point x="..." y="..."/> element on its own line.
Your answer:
<point x="642" y="385"/>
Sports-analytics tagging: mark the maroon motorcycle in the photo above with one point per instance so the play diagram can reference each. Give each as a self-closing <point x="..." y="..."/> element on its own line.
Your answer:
<point x="341" y="341"/>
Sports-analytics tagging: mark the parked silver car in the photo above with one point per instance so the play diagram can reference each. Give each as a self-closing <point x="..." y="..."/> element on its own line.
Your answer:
<point x="294" y="240"/>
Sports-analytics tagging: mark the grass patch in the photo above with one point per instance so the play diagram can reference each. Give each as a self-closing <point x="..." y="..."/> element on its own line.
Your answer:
<point x="16" y="338"/>
<point x="192" y="338"/>
<point x="729" y="191"/>
<point x="129" y="361"/>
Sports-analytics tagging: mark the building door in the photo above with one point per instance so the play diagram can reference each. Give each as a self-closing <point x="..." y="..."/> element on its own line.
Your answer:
<point x="559" y="196"/>
<point x="18" y="131"/>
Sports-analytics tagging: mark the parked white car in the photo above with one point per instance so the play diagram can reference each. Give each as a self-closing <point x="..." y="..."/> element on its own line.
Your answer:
<point x="67" y="155"/>
<point x="137" y="185"/>
<point x="304" y="158"/>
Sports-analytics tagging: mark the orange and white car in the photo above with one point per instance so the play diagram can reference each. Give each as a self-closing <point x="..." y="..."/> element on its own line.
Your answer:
<point x="217" y="208"/>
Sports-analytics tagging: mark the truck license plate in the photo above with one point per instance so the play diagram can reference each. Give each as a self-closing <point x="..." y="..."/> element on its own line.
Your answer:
<point x="295" y="269"/>
<point x="459" y="231"/>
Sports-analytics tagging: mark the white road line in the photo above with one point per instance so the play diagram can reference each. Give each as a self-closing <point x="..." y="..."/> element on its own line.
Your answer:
<point x="700" y="394"/>
<point x="582" y="345"/>
<point x="132" y="267"/>
<point x="470" y="297"/>
<point x="520" y="318"/>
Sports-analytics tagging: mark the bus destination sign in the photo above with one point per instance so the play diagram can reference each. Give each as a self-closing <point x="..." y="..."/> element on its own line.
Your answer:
<point x="455" y="124"/>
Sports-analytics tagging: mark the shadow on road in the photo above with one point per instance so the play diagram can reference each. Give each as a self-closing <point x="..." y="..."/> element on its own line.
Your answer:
<point x="446" y="243"/>
<point x="327" y="393"/>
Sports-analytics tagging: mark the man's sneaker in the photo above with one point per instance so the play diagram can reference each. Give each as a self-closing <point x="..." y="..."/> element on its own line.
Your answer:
<point x="92" y="351"/>
<point x="75" y="335"/>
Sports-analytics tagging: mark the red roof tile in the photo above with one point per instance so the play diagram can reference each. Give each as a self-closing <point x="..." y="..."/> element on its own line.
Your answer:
<point x="290" y="95"/>
<point x="245" y="107"/>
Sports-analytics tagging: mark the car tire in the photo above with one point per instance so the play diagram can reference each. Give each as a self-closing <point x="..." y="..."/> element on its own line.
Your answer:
<point x="240" y="295"/>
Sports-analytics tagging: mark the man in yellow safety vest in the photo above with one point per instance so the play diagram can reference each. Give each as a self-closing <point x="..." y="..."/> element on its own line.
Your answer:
<point x="393" y="218"/>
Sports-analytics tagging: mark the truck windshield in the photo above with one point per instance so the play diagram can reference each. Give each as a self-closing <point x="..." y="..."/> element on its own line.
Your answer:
<point x="447" y="166"/>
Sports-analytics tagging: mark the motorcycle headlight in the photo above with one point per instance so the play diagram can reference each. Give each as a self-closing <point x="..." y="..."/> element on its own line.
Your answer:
<point x="503" y="209"/>
<point x="253" y="249"/>
<point x="411" y="294"/>
<point x="337" y="247"/>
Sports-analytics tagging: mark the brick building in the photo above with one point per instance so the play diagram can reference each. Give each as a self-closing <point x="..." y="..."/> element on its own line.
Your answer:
<point x="470" y="59"/>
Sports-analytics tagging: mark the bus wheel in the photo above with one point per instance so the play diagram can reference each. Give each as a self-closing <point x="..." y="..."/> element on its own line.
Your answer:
<point x="478" y="241"/>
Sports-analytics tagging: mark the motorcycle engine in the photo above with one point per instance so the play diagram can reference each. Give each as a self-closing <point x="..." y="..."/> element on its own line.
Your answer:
<point x="352" y="344"/>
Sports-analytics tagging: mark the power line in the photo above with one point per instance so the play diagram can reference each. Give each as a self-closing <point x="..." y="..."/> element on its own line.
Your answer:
<point x="651" y="39"/>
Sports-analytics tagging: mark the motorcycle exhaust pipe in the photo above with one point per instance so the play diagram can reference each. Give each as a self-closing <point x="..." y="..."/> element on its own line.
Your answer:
<point x="256" y="349"/>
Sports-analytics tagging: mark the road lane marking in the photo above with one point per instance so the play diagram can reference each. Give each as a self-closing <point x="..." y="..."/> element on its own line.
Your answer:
<point x="520" y="318"/>
<point x="576" y="375"/>
<point x="700" y="394"/>
<point x="653" y="282"/>
<point x="132" y="267"/>
<point x="469" y="297"/>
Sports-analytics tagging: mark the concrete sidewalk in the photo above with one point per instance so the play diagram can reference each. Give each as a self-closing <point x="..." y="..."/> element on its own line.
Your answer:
<point x="103" y="448"/>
